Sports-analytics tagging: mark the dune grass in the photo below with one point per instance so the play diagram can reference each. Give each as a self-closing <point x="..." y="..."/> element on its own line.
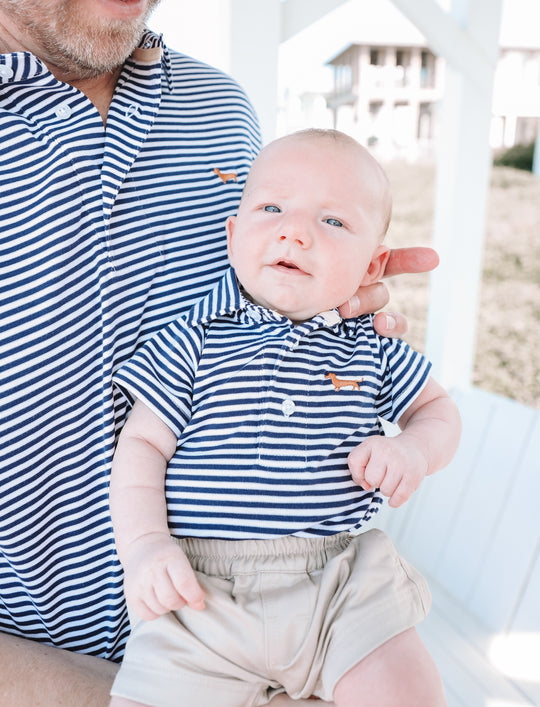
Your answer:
<point x="507" y="358"/>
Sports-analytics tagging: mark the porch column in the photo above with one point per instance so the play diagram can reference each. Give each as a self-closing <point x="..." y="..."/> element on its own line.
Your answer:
<point x="467" y="37"/>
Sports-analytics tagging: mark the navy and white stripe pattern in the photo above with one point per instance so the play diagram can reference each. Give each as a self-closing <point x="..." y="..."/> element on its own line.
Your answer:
<point x="105" y="236"/>
<point x="263" y="435"/>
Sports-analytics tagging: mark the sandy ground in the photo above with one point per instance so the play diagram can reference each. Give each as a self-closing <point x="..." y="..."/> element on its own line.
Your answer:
<point x="507" y="358"/>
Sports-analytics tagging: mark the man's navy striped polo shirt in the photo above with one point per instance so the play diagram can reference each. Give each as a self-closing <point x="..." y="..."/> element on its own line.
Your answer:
<point x="105" y="235"/>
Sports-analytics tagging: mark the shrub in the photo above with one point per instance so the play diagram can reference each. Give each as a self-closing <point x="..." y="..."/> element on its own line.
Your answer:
<point x="518" y="156"/>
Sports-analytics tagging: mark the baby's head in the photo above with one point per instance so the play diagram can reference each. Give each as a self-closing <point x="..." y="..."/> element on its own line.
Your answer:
<point x="310" y="225"/>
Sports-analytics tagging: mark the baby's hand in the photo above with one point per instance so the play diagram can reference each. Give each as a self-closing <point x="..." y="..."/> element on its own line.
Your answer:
<point x="159" y="578"/>
<point x="394" y="464"/>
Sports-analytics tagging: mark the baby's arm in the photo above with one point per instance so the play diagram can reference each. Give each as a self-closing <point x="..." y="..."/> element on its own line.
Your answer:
<point x="157" y="575"/>
<point x="431" y="428"/>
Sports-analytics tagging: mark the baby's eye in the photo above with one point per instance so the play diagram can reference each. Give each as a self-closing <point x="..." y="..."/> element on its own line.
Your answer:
<point x="334" y="222"/>
<point x="272" y="208"/>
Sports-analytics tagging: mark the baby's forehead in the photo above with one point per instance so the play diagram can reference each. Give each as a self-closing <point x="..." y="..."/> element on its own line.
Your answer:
<point x="342" y="151"/>
<point x="338" y="156"/>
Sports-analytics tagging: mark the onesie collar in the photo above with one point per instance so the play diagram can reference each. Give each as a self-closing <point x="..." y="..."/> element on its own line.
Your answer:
<point x="227" y="300"/>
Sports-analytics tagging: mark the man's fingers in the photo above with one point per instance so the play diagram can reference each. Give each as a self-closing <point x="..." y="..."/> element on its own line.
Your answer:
<point x="412" y="260"/>
<point x="369" y="298"/>
<point x="390" y="324"/>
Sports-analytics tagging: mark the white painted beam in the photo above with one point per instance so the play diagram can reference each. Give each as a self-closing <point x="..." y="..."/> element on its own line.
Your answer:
<point x="464" y="37"/>
<point x="296" y="15"/>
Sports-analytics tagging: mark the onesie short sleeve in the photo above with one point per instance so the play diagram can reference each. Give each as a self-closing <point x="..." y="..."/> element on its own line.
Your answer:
<point x="405" y="373"/>
<point x="161" y="373"/>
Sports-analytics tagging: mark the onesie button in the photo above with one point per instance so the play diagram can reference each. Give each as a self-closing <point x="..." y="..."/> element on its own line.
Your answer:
<point x="287" y="407"/>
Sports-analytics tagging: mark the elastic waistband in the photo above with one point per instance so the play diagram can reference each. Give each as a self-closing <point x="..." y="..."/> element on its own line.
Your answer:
<point x="288" y="553"/>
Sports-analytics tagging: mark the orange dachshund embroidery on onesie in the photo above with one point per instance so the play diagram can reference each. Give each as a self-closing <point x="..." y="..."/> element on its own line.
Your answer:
<point x="225" y="176"/>
<point x="342" y="383"/>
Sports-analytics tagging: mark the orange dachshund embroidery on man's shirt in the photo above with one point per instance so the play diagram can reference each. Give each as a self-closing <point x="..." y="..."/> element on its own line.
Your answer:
<point x="225" y="176"/>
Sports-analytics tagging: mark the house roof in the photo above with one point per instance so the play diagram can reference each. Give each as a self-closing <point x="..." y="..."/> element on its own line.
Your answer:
<point x="383" y="24"/>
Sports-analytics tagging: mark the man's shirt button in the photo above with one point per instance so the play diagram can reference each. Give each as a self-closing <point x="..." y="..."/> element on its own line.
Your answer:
<point x="5" y="72"/>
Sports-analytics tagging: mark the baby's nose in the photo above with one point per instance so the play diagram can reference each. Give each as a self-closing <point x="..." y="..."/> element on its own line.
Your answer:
<point x="297" y="233"/>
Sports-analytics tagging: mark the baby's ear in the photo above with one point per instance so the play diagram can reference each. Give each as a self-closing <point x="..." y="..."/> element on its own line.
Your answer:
<point x="229" y="227"/>
<point x="375" y="270"/>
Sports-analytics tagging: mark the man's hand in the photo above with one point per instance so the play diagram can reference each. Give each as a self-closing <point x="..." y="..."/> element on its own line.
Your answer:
<point x="371" y="298"/>
<point x="159" y="578"/>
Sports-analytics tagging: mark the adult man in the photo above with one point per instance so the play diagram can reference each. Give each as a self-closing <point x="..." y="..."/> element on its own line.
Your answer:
<point x="112" y="222"/>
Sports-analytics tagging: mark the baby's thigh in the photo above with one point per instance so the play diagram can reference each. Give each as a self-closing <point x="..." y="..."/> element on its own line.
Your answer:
<point x="123" y="702"/>
<point x="284" y="700"/>
<point x="399" y="672"/>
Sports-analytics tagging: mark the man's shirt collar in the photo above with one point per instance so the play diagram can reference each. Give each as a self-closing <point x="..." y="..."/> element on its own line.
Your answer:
<point x="18" y="67"/>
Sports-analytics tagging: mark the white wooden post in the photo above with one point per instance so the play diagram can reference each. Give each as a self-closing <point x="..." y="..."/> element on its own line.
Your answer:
<point x="468" y="38"/>
<point x="536" y="155"/>
<point x="255" y="35"/>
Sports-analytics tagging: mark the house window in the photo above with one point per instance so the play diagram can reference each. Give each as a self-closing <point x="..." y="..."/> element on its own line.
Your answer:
<point x="425" y="122"/>
<point x="343" y="78"/>
<point x="427" y="71"/>
<point x="403" y="62"/>
<point x="374" y="57"/>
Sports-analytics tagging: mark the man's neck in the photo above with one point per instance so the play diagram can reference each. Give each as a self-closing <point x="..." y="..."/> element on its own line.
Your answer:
<point x="98" y="90"/>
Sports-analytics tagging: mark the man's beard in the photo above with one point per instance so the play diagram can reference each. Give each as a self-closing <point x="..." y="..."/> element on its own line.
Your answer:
<point x="79" y="48"/>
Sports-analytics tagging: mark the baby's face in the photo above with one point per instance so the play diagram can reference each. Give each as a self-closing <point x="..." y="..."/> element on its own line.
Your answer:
<point x="309" y="224"/>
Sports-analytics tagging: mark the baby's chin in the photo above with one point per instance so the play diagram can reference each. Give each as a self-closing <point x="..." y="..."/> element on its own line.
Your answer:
<point x="297" y="317"/>
<point x="297" y="312"/>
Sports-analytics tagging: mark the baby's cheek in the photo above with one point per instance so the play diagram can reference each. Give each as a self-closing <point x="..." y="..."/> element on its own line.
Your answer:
<point x="345" y="282"/>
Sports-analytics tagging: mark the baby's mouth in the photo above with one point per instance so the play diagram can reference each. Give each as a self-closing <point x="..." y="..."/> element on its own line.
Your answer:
<point x="288" y="267"/>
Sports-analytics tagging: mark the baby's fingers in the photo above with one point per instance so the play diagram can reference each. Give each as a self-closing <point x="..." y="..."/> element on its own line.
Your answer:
<point x="403" y="491"/>
<point x="366" y="470"/>
<point x="165" y="595"/>
<point x="147" y="606"/>
<point x="185" y="583"/>
<point x="357" y="461"/>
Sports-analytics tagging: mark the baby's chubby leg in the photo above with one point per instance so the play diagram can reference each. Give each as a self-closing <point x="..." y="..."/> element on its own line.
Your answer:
<point x="286" y="701"/>
<point x="400" y="672"/>
<point x="279" y="701"/>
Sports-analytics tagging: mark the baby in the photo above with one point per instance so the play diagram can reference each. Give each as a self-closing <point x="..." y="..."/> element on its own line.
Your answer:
<point x="254" y="454"/>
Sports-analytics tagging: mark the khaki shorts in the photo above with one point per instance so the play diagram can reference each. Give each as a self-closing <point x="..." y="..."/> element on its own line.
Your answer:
<point x="287" y="615"/>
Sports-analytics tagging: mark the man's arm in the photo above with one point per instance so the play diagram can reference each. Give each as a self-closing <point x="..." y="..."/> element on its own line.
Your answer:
<point x="35" y="675"/>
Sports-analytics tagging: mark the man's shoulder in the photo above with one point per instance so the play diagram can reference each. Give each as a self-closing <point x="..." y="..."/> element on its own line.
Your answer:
<point x="187" y="68"/>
